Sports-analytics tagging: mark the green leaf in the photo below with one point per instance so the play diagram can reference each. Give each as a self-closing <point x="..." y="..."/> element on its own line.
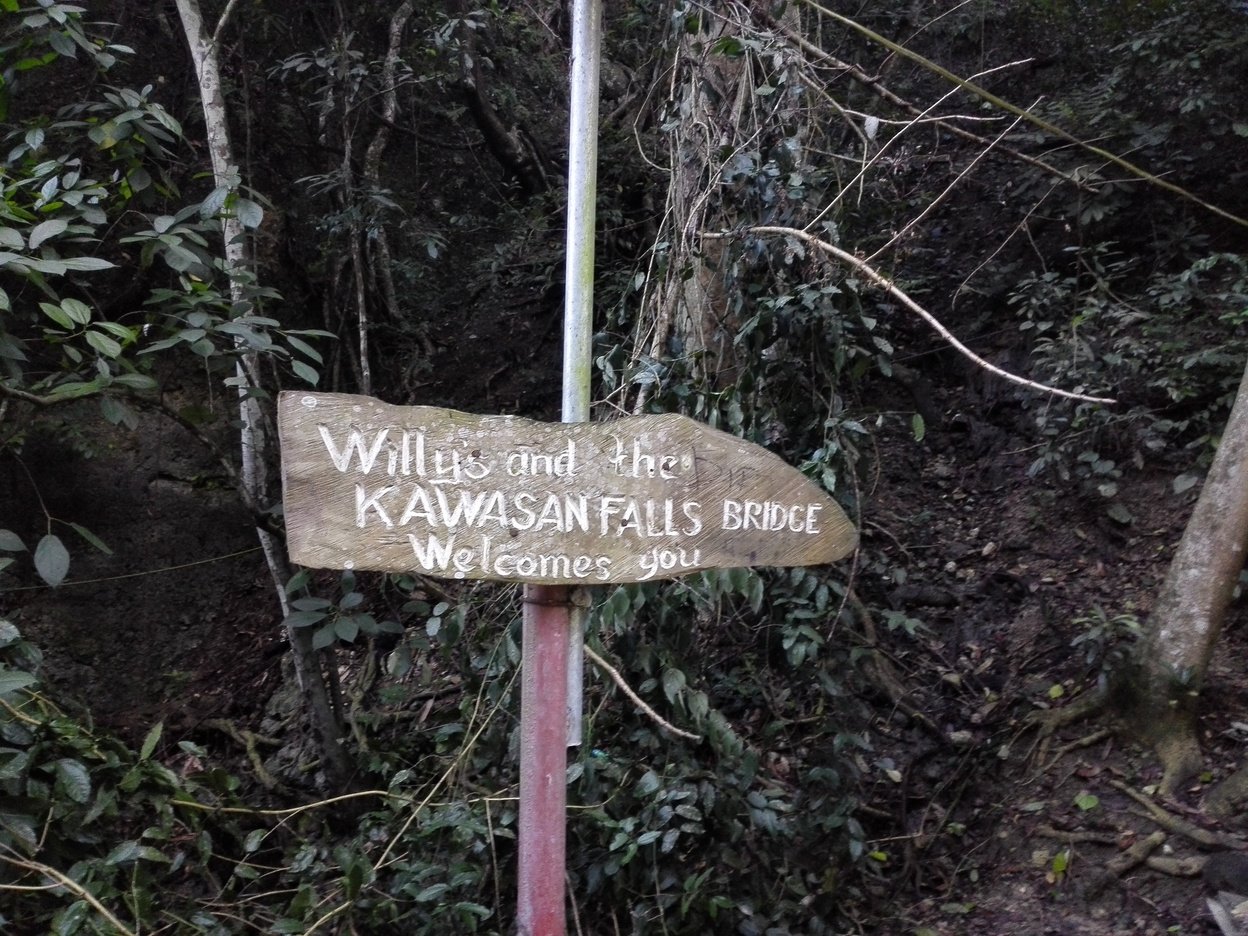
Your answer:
<point x="150" y="742"/>
<point x="106" y="346"/>
<point x="58" y="315"/>
<point x="46" y="229"/>
<point x="77" y="310"/>
<point x="72" y="779"/>
<point x="136" y="381"/>
<point x="248" y="213"/>
<point x="91" y="538"/>
<point x="673" y="682"/>
<point x="13" y="680"/>
<point x="304" y="618"/>
<point x="347" y="627"/>
<point x="918" y="427"/>
<point x="11" y="542"/>
<point x="51" y="560"/>
<point x="431" y="893"/>
<point x="87" y="264"/>
<point x="1086" y="801"/>
<point x="12" y="239"/>
<point x="323" y="637"/>
<point x="305" y="372"/>
<point x="254" y="839"/>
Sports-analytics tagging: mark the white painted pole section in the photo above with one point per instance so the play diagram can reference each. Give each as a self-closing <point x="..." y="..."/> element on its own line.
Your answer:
<point x="578" y="308"/>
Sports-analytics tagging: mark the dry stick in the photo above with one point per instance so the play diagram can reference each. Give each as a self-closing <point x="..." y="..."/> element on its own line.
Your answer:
<point x="71" y="885"/>
<point x="636" y="699"/>
<point x="893" y="290"/>
<point x="1078" y="837"/>
<point x="913" y="222"/>
<point x="1040" y="122"/>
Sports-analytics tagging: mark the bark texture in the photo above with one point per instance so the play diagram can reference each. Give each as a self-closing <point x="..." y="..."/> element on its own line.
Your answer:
<point x="317" y="697"/>
<point x="1187" y="618"/>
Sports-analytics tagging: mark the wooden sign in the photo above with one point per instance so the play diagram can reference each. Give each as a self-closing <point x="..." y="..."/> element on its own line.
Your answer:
<point x="368" y="485"/>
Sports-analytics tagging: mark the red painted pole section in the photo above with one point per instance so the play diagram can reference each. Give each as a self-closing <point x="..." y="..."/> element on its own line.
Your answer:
<point x="543" y="761"/>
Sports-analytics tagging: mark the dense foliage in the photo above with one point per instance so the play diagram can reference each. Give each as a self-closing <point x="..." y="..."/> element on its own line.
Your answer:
<point x="724" y="133"/>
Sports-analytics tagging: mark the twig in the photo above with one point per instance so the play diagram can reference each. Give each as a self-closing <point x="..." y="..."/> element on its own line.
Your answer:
<point x="1005" y="105"/>
<point x="893" y="290"/>
<point x="71" y="885"/>
<point x="1078" y="837"/>
<point x="635" y="698"/>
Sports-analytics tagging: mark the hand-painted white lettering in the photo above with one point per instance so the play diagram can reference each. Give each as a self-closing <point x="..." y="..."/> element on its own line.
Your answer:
<point x="364" y="502"/>
<point x="658" y="560"/>
<point x="436" y="555"/>
<point x="642" y="464"/>
<point x="770" y="516"/>
<point x="355" y="444"/>
<point x="527" y="463"/>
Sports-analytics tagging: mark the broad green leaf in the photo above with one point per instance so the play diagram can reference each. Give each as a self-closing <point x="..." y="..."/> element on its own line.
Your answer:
<point x="74" y="389"/>
<point x="12" y="239"/>
<point x="212" y="205"/>
<point x="51" y="559"/>
<point x="254" y="839"/>
<point x="150" y="742"/>
<point x="347" y="628"/>
<point x="86" y="264"/>
<point x="12" y="680"/>
<point x="103" y="344"/>
<point x="136" y="381"/>
<point x="323" y="637"/>
<point x="11" y="542"/>
<point x="58" y="315"/>
<point x="46" y="229"/>
<point x="304" y="618"/>
<point x="77" y="310"/>
<point x="123" y="853"/>
<point x="305" y="372"/>
<point x="73" y="779"/>
<point x="91" y="538"/>
<point x="248" y="213"/>
<point x="125" y="333"/>
<point x="304" y="348"/>
<point x="179" y="258"/>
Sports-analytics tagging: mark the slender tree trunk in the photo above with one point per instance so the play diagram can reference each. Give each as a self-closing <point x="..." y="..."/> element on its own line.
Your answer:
<point x="252" y="439"/>
<point x="1187" y="618"/>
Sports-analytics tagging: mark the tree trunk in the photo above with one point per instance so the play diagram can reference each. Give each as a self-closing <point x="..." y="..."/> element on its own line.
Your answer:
<point x="252" y="434"/>
<point x="1187" y="618"/>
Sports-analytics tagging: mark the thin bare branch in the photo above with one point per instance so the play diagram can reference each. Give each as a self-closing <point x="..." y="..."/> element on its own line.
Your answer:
<point x="635" y="698"/>
<point x="985" y="95"/>
<point x="893" y="290"/>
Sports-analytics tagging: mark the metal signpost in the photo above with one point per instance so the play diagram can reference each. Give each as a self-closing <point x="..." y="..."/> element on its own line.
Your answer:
<point x="367" y="485"/>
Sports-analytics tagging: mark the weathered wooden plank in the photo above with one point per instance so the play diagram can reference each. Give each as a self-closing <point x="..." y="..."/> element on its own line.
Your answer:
<point x="368" y="485"/>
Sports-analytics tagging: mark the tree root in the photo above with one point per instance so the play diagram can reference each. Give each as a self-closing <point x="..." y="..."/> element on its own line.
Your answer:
<point x="1136" y="855"/>
<point x="1179" y="826"/>
<point x="1048" y="721"/>
<point x="1230" y="797"/>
